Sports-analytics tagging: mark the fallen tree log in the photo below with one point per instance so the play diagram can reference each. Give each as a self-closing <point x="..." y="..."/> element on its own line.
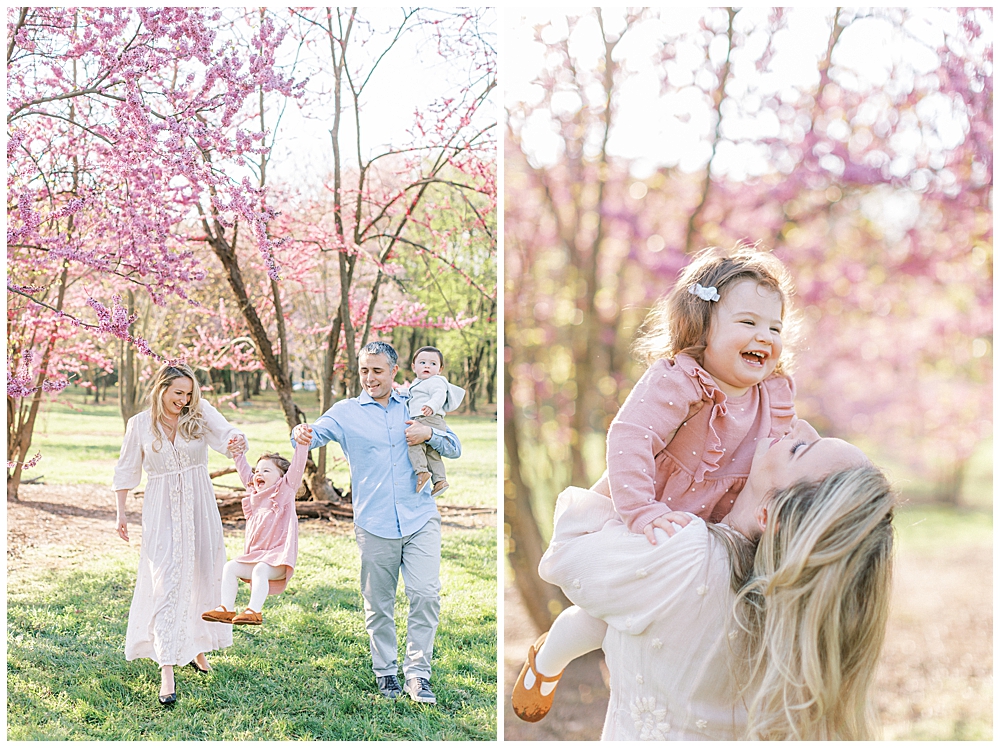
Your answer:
<point x="231" y="508"/>
<point x="459" y="509"/>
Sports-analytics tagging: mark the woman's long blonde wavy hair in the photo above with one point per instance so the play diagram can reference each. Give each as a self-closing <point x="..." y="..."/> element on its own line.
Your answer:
<point x="813" y="602"/>
<point x="814" y="608"/>
<point x="191" y="423"/>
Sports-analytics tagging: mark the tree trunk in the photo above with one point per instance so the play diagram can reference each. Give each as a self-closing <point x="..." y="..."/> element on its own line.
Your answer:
<point x="525" y="546"/>
<point x="948" y="487"/>
<point x="693" y="227"/>
<point x="129" y="394"/>
<point x="226" y="252"/>
<point x="22" y="439"/>
<point x="319" y="484"/>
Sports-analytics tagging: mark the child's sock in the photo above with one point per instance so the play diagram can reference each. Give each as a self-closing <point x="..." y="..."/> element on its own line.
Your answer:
<point x="573" y="633"/>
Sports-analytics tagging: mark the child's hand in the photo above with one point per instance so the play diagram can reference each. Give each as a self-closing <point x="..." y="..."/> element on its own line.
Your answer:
<point x="237" y="445"/>
<point x="303" y="434"/>
<point x="426" y="410"/>
<point x="666" y="523"/>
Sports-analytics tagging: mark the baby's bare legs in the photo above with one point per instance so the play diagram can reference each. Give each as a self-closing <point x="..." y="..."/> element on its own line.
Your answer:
<point x="574" y="633"/>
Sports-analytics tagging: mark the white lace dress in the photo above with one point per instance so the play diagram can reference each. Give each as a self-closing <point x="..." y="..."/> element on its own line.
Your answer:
<point x="182" y="553"/>
<point x="669" y="614"/>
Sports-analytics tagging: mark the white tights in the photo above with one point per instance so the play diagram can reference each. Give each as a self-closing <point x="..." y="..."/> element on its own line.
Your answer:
<point x="258" y="574"/>
<point x="573" y="633"/>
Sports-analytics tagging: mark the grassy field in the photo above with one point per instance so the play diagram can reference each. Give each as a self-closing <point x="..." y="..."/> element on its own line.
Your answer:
<point x="80" y="443"/>
<point x="304" y="675"/>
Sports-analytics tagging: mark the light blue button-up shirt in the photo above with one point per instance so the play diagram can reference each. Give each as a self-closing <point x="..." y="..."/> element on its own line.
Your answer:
<point x="382" y="479"/>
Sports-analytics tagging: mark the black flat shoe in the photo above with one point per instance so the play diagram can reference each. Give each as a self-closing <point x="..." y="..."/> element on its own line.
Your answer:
<point x="195" y="666"/>
<point x="168" y="700"/>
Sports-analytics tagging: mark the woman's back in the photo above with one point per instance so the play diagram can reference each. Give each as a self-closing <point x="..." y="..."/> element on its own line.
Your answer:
<point x="667" y="608"/>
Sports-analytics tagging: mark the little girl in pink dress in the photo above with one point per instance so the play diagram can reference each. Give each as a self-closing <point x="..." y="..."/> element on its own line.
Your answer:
<point x="271" y="542"/>
<point x="683" y="441"/>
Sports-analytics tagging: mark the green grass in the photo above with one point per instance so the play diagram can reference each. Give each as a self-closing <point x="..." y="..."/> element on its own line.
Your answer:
<point x="80" y="444"/>
<point x="928" y="529"/>
<point x="304" y="675"/>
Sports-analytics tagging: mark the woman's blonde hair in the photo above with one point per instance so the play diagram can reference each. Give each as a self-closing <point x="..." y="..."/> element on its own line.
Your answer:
<point x="814" y="609"/>
<point x="191" y="423"/>
<point x="679" y="322"/>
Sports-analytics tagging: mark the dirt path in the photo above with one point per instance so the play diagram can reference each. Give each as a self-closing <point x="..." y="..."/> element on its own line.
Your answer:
<point x="935" y="680"/>
<point x="76" y="518"/>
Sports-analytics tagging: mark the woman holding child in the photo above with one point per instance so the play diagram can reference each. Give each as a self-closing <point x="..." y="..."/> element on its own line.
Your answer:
<point x="764" y="615"/>
<point x="182" y="554"/>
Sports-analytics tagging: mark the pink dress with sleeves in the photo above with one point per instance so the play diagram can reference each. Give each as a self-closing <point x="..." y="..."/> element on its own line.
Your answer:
<point x="272" y="531"/>
<point x="678" y="443"/>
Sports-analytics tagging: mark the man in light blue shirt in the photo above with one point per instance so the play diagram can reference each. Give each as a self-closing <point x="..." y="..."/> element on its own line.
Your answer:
<point x="397" y="528"/>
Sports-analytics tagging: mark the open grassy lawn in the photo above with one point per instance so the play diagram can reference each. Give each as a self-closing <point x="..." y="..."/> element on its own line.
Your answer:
<point x="304" y="675"/>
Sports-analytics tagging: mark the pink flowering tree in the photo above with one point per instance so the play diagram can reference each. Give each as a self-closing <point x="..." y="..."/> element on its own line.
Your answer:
<point x="122" y="123"/>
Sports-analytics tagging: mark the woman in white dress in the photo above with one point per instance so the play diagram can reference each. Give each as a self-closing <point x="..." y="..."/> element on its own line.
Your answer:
<point x="182" y="553"/>
<point x="768" y="625"/>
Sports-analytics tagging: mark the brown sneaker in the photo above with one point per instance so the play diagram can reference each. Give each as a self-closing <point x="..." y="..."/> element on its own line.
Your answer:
<point x="439" y="488"/>
<point x="529" y="703"/>
<point x="249" y="618"/>
<point x="422" y="479"/>
<point x="218" y="616"/>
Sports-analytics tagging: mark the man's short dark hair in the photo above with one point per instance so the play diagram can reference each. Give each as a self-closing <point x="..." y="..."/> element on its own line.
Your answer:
<point x="431" y="349"/>
<point x="380" y="347"/>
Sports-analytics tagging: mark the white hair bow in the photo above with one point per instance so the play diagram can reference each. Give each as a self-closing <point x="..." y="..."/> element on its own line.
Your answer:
<point x="705" y="294"/>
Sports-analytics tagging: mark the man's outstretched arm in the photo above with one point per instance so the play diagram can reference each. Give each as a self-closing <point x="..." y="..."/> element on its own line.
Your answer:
<point x="324" y="430"/>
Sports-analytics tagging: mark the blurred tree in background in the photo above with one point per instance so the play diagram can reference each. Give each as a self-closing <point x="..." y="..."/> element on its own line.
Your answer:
<point x="856" y="144"/>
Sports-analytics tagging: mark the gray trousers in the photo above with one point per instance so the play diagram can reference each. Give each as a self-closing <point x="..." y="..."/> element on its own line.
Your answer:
<point x="418" y="556"/>
<point x="422" y="457"/>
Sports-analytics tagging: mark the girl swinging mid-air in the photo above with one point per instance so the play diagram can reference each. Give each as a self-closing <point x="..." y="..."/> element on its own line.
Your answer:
<point x="684" y="439"/>
<point x="271" y="542"/>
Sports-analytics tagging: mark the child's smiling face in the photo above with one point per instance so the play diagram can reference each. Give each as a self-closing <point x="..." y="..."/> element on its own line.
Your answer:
<point x="426" y="365"/>
<point x="744" y="339"/>
<point x="265" y="475"/>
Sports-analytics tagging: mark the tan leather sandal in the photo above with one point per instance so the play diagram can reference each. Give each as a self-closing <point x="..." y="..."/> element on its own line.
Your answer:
<point x="248" y="617"/>
<point x="218" y="616"/>
<point x="529" y="703"/>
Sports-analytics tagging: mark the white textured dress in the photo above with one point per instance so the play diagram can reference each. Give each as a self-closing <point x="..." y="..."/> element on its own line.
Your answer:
<point x="669" y="613"/>
<point x="182" y="553"/>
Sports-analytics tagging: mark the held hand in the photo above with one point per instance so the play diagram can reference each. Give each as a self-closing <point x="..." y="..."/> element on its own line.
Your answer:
<point x="121" y="525"/>
<point x="426" y="410"/>
<point x="418" y="433"/>
<point x="303" y="434"/>
<point x="666" y="523"/>
<point x="237" y="445"/>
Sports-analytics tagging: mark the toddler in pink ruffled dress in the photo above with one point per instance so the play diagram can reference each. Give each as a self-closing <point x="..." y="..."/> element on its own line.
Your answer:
<point x="683" y="441"/>
<point x="271" y="540"/>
